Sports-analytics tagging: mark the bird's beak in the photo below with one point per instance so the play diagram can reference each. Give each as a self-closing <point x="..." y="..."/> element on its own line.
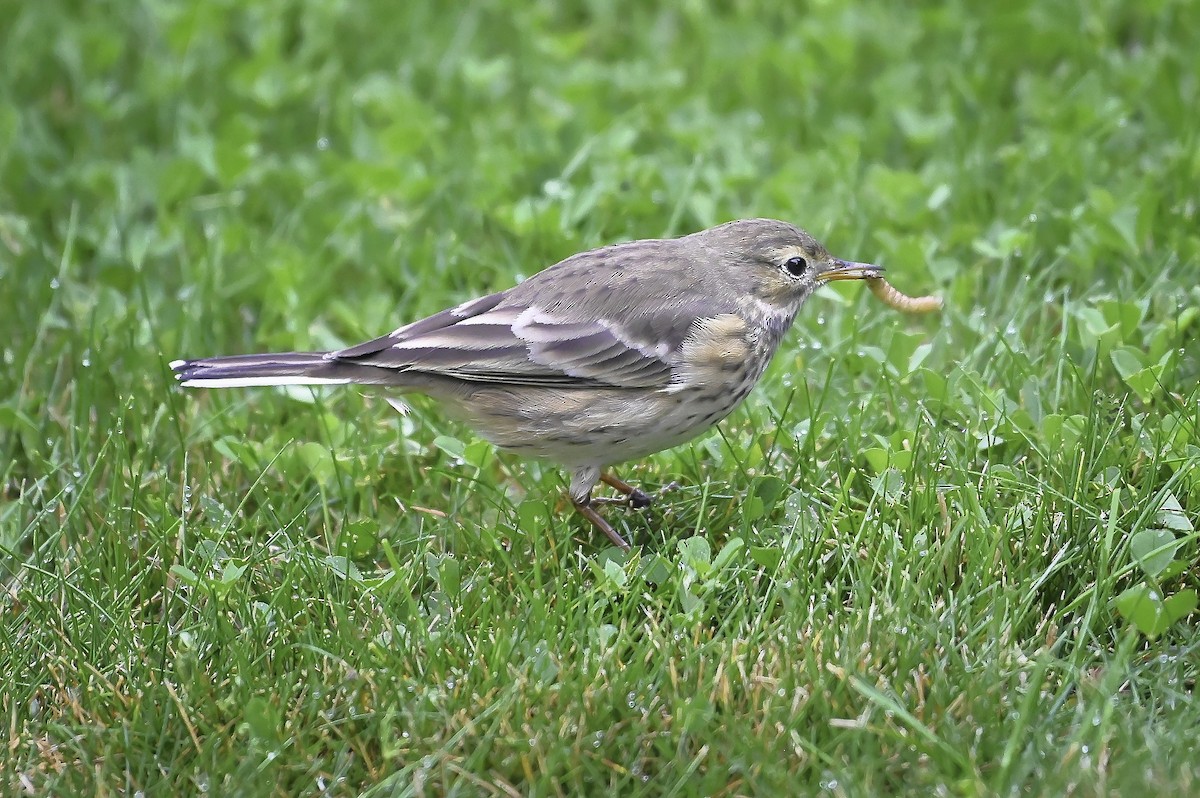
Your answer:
<point x="849" y="270"/>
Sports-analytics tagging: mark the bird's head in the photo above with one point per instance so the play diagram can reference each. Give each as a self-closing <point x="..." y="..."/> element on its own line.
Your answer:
<point x="776" y="263"/>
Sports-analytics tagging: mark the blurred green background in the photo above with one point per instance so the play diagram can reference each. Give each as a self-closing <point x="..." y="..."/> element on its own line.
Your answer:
<point x="951" y="554"/>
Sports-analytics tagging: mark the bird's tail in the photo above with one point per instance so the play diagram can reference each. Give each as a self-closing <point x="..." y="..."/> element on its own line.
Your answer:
<point x="286" y="368"/>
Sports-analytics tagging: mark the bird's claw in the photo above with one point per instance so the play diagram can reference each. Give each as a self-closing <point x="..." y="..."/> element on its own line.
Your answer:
<point x="637" y="498"/>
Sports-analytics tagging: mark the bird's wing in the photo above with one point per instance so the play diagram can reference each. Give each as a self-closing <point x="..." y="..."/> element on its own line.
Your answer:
<point x="510" y="340"/>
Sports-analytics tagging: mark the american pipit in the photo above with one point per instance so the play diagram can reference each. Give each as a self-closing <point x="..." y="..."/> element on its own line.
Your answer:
<point x="607" y="356"/>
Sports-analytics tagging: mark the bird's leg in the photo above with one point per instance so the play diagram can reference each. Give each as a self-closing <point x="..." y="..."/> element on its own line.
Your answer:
<point x="638" y="498"/>
<point x="635" y="497"/>
<point x="583" y="480"/>
<point x="586" y="509"/>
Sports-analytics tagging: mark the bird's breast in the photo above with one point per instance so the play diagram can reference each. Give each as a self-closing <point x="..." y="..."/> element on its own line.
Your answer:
<point x="714" y="355"/>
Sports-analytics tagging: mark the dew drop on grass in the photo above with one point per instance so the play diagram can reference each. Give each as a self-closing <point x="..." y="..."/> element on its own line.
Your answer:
<point x="323" y="143"/>
<point x="54" y="284"/>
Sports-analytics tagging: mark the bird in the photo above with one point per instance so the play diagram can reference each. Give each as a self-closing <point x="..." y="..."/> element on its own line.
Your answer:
<point x="605" y="357"/>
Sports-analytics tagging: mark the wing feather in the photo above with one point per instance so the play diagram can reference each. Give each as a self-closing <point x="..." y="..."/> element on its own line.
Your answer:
<point x="581" y="323"/>
<point x="553" y="351"/>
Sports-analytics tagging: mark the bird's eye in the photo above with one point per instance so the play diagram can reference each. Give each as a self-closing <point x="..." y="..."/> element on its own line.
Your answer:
<point x="795" y="266"/>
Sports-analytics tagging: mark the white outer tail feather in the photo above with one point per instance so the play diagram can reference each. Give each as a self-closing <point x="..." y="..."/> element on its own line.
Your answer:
<point x="259" y="382"/>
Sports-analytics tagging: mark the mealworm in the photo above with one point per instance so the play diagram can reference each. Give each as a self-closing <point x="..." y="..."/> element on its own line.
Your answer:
<point x="909" y="304"/>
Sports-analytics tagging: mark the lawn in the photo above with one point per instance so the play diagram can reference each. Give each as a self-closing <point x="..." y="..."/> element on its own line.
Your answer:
<point x="951" y="554"/>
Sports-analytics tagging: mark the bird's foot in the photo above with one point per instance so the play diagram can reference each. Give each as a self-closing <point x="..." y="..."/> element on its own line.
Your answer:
<point x="636" y="498"/>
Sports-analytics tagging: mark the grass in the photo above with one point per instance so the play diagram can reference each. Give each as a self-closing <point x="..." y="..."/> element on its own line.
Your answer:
<point x="952" y="554"/>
